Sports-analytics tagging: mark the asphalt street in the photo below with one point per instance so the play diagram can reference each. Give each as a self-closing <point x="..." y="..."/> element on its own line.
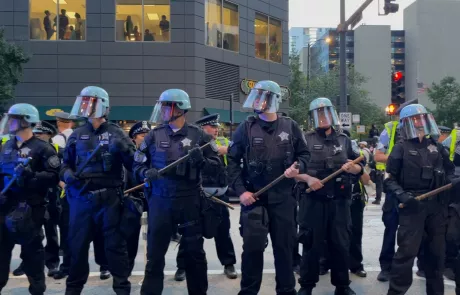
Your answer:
<point x="219" y="284"/>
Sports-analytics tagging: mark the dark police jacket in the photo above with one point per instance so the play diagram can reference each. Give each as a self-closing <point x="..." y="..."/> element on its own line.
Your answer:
<point x="328" y="154"/>
<point x="45" y="165"/>
<point x="267" y="150"/>
<point x="161" y="147"/>
<point x="105" y="170"/>
<point x="417" y="167"/>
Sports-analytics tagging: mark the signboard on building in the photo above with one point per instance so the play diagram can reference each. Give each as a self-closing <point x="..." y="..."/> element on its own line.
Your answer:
<point x="52" y="112"/>
<point x="247" y="85"/>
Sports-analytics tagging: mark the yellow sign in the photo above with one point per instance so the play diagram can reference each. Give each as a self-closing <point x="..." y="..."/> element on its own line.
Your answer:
<point x="52" y="112"/>
<point x="247" y="85"/>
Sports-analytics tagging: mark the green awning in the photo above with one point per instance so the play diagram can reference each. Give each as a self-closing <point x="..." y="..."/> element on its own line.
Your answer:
<point x="238" y="116"/>
<point x="135" y="113"/>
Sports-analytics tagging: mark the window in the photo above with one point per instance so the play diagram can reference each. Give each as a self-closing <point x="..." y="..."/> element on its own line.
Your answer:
<point x="268" y="38"/>
<point x="57" y="19"/>
<point x="222" y="25"/>
<point x="143" y="20"/>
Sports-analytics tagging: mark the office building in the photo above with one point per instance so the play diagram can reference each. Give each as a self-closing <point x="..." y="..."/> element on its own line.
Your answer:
<point x="299" y="38"/>
<point x="136" y="49"/>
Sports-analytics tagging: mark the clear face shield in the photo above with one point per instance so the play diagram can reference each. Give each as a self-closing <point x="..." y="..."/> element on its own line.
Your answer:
<point x="16" y="123"/>
<point x="260" y="101"/>
<point x="419" y="126"/>
<point x="163" y="113"/>
<point x="324" y="118"/>
<point x="4" y="125"/>
<point x="88" y="107"/>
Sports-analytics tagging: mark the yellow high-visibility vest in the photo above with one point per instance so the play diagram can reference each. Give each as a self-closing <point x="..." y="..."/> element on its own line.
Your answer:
<point x="222" y="141"/>
<point x="56" y="147"/>
<point x="391" y="143"/>
<point x="453" y="144"/>
<point x="4" y="140"/>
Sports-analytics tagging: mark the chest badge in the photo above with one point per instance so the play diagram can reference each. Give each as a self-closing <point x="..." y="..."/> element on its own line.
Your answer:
<point x="186" y="142"/>
<point x="24" y="152"/>
<point x="432" y="148"/>
<point x="337" y="149"/>
<point x="104" y="138"/>
<point x="284" y="136"/>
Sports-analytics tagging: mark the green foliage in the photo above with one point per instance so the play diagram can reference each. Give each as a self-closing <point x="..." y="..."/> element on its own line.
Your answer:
<point x="326" y="84"/>
<point x="12" y="58"/>
<point x="446" y="97"/>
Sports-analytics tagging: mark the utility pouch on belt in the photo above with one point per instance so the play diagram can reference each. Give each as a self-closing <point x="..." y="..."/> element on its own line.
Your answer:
<point x="107" y="161"/>
<point x="210" y="217"/>
<point x="20" y="223"/>
<point x="255" y="229"/>
<point x="427" y="173"/>
<point x="131" y="217"/>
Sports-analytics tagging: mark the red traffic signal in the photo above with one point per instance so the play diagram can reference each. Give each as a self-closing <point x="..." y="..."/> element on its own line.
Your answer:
<point x="397" y="76"/>
<point x="391" y="109"/>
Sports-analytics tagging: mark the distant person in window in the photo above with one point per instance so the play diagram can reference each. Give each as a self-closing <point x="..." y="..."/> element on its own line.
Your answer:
<point x="164" y="26"/>
<point x="47" y="25"/>
<point x="148" y="36"/>
<point x="137" y="34"/>
<point x="73" y="34"/>
<point x="78" y="25"/>
<point x="129" y="28"/>
<point x="63" y="23"/>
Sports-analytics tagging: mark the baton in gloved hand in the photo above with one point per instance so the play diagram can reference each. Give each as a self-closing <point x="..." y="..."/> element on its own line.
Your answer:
<point x="219" y="201"/>
<point x="12" y="181"/>
<point x="163" y="170"/>
<point x="271" y="184"/>
<point x="336" y="173"/>
<point x="435" y="191"/>
<point x="91" y="156"/>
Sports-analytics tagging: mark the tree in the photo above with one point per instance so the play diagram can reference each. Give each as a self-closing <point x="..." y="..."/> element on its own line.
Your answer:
<point x="446" y="97"/>
<point x="326" y="84"/>
<point x="12" y="58"/>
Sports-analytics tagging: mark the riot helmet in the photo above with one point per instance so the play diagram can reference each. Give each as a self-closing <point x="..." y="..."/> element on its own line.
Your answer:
<point x="265" y="97"/>
<point x="22" y="116"/>
<point x="323" y="114"/>
<point x="169" y="101"/>
<point x="416" y="122"/>
<point x="93" y="102"/>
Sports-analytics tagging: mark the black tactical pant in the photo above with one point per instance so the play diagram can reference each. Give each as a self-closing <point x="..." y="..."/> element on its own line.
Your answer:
<point x="223" y="240"/>
<point x="379" y="177"/>
<point x="51" y="233"/>
<point x="133" y="244"/>
<point x="99" y="250"/>
<point x="322" y="218"/>
<point x="296" y="257"/>
<point x="431" y="217"/>
<point x="64" y="230"/>
<point x="163" y="215"/>
<point x="100" y="216"/>
<point x="390" y="220"/>
<point x="356" y="250"/>
<point x="281" y="228"/>
<point x="33" y="255"/>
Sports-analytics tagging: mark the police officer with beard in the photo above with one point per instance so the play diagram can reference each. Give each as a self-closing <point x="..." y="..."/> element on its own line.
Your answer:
<point x="23" y="206"/>
<point x="175" y="196"/>
<point x="325" y="212"/>
<point x="416" y="166"/>
<point x="95" y="194"/>
<point x="215" y="185"/>
<point x="270" y="146"/>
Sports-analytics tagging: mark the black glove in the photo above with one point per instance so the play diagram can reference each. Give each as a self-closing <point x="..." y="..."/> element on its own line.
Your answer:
<point x="409" y="201"/>
<point x="119" y="146"/>
<point x="196" y="155"/>
<point x="70" y="177"/>
<point x="23" y="171"/>
<point x="152" y="174"/>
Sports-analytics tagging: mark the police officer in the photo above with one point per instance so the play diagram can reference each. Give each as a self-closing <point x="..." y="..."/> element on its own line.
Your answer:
<point x="215" y="184"/>
<point x="270" y="146"/>
<point x="23" y="207"/>
<point x="417" y="165"/>
<point x="325" y="212"/>
<point x="95" y="194"/>
<point x="175" y="196"/>
<point x="137" y="134"/>
<point x="388" y="138"/>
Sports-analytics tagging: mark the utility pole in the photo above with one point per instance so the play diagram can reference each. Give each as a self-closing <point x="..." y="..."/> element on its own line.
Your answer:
<point x="343" y="60"/>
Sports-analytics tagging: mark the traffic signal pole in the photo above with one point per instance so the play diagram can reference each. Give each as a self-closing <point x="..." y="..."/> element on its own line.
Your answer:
<point x="343" y="60"/>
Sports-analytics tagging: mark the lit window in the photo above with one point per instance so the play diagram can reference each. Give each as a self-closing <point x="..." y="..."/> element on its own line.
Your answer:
<point x="222" y="25"/>
<point x="143" y="20"/>
<point x="57" y="19"/>
<point x="268" y="38"/>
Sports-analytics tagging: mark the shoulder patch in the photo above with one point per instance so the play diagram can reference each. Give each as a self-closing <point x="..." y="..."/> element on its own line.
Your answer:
<point x="54" y="161"/>
<point x="143" y="146"/>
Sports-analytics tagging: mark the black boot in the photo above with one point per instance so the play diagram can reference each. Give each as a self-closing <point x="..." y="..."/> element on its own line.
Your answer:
<point x="359" y="272"/>
<point x="18" y="271"/>
<point x="230" y="272"/>
<point x="344" y="291"/>
<point x="105" y="275"/>
<point x="449" y="274"/>
<point x="60" y="275"/>
<point x="323" y="271"/>
<point x="52" y="271"/>
<point x="384" y="276"/>
<point x="180" y="275"/>
<point x="420" y="273"/>
<point x="305" y="291"/>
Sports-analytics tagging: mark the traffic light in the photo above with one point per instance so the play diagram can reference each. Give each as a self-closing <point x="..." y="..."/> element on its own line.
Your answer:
<point x="391" y="109"/>
<point x="390" y="7"/>
<point x="397" y="88"/>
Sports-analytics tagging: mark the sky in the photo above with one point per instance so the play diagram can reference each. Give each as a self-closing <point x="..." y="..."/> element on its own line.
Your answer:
<point x="326" y="13"/>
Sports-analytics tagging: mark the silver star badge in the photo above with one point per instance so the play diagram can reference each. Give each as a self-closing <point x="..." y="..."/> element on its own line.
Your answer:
<point x="24" y="151"/>
<point x="432" y="148"/>
<point x="186" y="142"/>
<point x="284" y="136"/>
